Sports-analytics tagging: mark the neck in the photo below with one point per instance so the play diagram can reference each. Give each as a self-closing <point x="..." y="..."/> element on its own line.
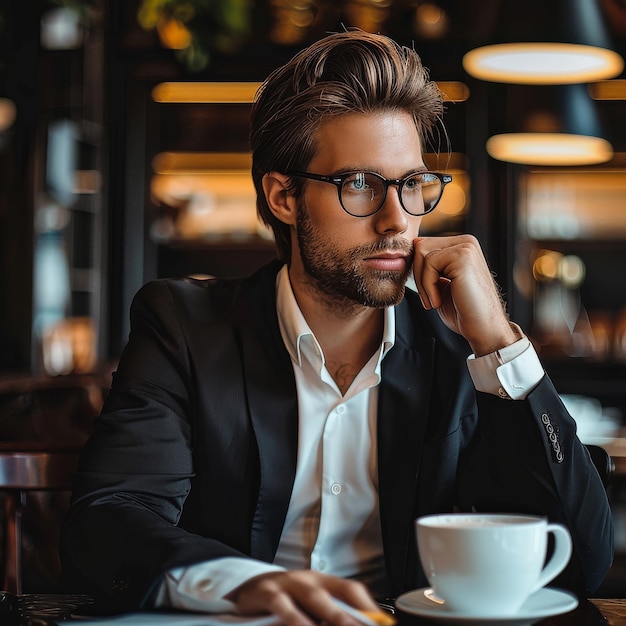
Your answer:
<point x="349" y="333"/>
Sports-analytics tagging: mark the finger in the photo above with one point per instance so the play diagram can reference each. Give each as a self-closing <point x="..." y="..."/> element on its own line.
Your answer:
<point x="323" y="606"/>
<point x="431" y="278"/>
<point x="269" y="593"/>
<point x="429" y="252"/>
<point x="450" y="257"/>
<point x="353" y="593"/>
<point x="336" y="601"/>
<point x="418" y="262"/>
<point x="289" y="612"/>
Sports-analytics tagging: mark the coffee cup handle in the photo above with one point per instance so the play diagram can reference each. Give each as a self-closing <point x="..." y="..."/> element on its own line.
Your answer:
<point x="560" y="557"/>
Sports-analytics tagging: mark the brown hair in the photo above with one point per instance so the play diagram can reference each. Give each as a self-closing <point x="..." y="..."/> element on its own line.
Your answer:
<point x="353" y="71"/>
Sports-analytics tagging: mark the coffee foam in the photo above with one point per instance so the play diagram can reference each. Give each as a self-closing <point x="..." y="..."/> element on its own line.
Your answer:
<point x="476" y="521"/>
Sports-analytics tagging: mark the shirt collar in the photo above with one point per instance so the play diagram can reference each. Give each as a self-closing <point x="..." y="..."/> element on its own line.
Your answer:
<point x="293" y="326"/>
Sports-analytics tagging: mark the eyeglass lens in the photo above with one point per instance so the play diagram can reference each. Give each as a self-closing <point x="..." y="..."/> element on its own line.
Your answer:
<point x="363" y="193"/>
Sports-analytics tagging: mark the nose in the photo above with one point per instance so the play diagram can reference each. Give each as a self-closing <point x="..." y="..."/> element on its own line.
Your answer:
<point x="391" y="218"/>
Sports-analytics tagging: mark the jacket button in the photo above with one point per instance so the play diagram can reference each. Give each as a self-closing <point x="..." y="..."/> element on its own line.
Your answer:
<point x="119" y="584"/>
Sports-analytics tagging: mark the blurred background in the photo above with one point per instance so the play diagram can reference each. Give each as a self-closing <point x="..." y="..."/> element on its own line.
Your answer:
<point x="124" y="157"/>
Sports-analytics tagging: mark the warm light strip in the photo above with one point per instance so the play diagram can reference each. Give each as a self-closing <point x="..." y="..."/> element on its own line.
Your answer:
<point x="200" y="162"/>
<point x="549" y="149"/>
<point x="608" y="90"/>
<point x="446" y="161"/>
<point x="453" y="91"/>
<point x="204" y="93"/>
<point x="87" y="181"/>
<point x="216" y="162"/>
<point x="542" y="63"/>
<point x="243" y="93"/>
<point x="617" y="163"/>
<point x="8" y="113"/>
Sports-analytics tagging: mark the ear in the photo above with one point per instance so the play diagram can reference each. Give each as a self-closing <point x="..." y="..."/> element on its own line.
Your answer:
<point x="281" y="201"/>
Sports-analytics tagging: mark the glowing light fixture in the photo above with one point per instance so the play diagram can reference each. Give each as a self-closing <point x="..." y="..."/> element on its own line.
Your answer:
<point x="205" y="93"/>
<point x="244" y="92"/>
<point x="608" y="90"/>
<point x="568" y="43"/>
<point x="453" y="91"/>
<point x="555" y="125"/>
<point x="542" y="63"/>
<point x="8" y="113"/>
<point x="549" y="149"/>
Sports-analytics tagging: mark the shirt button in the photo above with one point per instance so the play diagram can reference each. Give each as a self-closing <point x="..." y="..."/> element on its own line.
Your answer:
<point x="335" y="489"/>
<point x="341" y="409"/>
<point x="502" y="393"/>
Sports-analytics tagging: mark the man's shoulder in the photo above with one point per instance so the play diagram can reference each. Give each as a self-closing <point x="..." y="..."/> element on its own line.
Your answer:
<point x="195" y="300"/>
<point x="188" y="288"/>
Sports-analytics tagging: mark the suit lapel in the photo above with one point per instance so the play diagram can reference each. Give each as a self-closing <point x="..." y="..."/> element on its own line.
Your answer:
<point x="273" y="405"/>
<point x="404" y="398"/>
<point x="403" y="409"/>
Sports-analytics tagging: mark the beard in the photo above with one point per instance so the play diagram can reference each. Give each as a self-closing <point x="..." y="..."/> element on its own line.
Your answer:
<point x="340" y="277"/>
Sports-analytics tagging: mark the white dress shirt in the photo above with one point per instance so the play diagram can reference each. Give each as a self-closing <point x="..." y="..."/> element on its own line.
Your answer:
<point x="332" y="523"/>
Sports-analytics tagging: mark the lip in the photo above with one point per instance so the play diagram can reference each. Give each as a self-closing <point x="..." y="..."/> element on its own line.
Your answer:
<point x="388" y="262"/>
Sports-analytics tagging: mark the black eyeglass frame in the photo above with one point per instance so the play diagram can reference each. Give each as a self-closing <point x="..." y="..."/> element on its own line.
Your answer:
<point x="339" y="179"/>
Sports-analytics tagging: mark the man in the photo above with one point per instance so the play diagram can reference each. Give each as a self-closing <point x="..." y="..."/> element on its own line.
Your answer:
<point x="268" y="442"/>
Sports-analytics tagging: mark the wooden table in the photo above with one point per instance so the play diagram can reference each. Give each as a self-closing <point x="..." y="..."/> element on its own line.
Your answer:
<point x="596" y="612"/>
<point x="49" y="610"/>
<point x="617" y="449"/>
<point x="613" y="611"/>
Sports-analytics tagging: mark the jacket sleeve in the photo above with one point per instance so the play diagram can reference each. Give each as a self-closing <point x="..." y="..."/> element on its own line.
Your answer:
<point x="121" y="532"/>
<point x="526" y="457"/>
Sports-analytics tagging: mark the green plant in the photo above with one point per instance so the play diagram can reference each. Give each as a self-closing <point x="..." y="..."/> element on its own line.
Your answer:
<point x="196" y="28"/>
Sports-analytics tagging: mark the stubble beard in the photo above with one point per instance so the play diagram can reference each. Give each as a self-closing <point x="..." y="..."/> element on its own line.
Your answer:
<point x="339" y="277"/>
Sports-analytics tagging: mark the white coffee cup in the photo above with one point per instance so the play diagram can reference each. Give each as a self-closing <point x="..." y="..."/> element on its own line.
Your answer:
<point x="489" y="564"/>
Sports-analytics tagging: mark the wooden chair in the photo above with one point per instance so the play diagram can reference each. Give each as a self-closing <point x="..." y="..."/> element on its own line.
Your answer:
<point x="22" y="469"/>
<point x="603" y="462"/>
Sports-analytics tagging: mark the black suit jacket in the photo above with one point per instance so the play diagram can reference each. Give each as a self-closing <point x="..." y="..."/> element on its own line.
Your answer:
<point x="194" y="455"/>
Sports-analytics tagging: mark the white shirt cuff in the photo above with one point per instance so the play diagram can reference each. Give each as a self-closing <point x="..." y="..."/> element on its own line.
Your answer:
<point x="203" y="587"/>
<point x="510" y="373"/>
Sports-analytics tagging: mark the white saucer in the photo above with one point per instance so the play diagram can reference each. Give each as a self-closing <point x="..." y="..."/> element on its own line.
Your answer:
<point x="542" y="603"/>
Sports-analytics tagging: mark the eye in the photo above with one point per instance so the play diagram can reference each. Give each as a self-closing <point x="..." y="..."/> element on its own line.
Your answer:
<point x="356" y="182"/>
<point x="414" y="182"/>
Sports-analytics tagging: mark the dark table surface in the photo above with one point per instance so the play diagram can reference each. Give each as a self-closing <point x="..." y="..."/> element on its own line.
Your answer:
<point x="49" y="610"/>
<point x="596" y="612"/>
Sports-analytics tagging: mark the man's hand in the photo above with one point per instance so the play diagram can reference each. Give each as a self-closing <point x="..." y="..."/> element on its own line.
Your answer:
<point x="452" y="276"/>
<point x="302" y="598"/>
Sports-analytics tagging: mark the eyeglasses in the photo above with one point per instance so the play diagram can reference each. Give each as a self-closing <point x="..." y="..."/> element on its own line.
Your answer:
<point x="362" y="194"/>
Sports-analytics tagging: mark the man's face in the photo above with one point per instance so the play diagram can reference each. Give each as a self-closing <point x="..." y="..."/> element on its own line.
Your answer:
<point x="358" y="260"/>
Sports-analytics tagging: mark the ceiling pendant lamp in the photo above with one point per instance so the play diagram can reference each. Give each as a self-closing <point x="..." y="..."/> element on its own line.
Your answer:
<point x="554" y="126"/>
<point x="568" y="43"/>
<point x="549" y="149"/>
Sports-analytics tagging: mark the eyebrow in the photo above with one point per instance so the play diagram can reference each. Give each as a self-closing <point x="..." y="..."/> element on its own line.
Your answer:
<point x="375" y="170"/>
